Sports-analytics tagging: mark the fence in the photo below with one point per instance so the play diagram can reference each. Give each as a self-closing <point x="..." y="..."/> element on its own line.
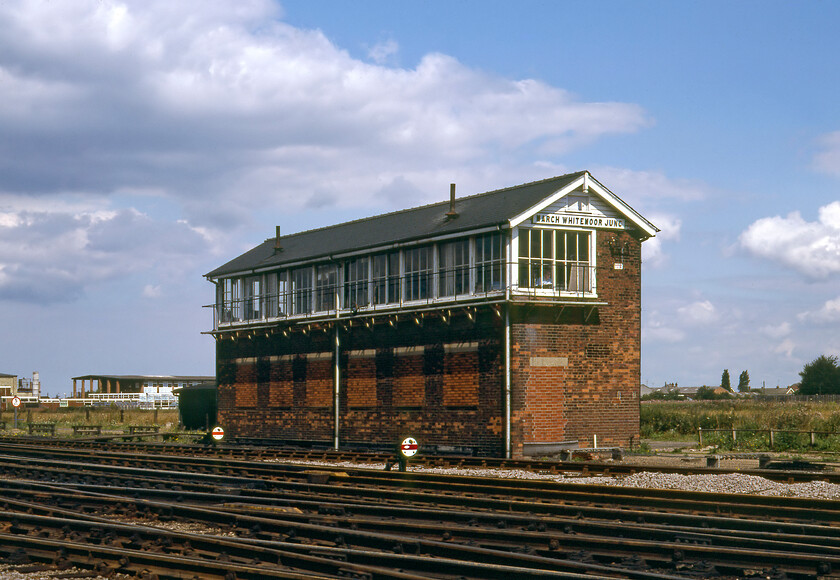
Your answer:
<point x="771" y="434"/>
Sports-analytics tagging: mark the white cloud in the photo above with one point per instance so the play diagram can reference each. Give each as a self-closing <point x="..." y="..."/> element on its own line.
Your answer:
<point x="51" y="256"/>
<point x="776" y="331"/>
<point x="152" y="291"/>
<point x="635" y="186"/>
<point x="828" y="159"/>
<point x="653" y="254"/>
<point x="138" y="133"/>
<point x="384" y="52"/>
<point x="828" y="314"/>
<point x="785" y="348"/>
<point x="222" y="105"/>
<point x="656" y="331"/>
<point x="699" y="313"/>
<point x="812" y="248"/>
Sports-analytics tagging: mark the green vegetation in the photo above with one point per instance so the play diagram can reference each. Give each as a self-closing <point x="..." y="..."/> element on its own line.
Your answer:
<point x="681" y="420"/>
<point x="744" y="382"/>
<point x="724" y="380"/>
<point x="110" y="418"/>
<point x="821" y="376"/>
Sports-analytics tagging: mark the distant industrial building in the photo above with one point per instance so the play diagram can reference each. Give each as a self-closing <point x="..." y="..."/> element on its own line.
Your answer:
<point x="504" y="323"/>
<point x="153" y="391"/>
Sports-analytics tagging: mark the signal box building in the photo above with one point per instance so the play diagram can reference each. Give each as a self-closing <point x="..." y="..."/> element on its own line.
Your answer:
<point x="505" y="323"/>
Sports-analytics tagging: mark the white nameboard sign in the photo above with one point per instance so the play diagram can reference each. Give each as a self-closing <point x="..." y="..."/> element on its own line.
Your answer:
<point x="558" y="219"/>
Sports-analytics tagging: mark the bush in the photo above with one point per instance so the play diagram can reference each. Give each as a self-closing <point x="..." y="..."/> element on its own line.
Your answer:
<point x="663" y="418"/>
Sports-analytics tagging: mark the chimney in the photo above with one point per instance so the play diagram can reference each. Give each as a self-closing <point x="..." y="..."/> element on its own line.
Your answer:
<point x="277" y="247"/>
<point x="451" y="214"/>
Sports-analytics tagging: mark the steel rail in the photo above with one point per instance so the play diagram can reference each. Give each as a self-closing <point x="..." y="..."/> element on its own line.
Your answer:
<point x="660" y="550"/>
<point x="567" y="518"/>
<point x="492" y="493"/>
<point x="583" y="468"/>
<point x="814" y="560"/>
<point x="424" y="556"/>
<point x="392" y="489"/>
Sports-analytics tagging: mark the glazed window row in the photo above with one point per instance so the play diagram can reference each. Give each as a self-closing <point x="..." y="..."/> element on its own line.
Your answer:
<point x="466" y="268"/>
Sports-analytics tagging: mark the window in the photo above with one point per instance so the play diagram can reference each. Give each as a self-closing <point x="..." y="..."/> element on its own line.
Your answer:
<point x="356" y="278"/>
<point x="536" y="258"/>
<point x="386" y="278"/>
<point x="301" y="290"/>
<point x="326" y="288"/>
<point x="489" y="263"/>
<point x="454" y="268"/>
<point x="554" y="260"/>
<point x="253" y="287"/>
<point x="573" y="270"/>
<point x="230" y="302"/>
<point x="284" y="297"/>
<point x="418" y="273"/>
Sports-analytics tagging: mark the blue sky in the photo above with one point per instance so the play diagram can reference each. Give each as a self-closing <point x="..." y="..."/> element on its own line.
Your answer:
<point x="142" y="144"/>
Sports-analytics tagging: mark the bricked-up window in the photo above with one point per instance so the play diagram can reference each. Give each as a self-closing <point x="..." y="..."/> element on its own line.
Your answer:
<point x="454" y="268"/>
<point x="386" y="278"/>
<point x="356" y="282"/>
<point x="489" y="262"/>
<point x="418" y="273"/>
<point x="326" y="287"/>
<point x="301" y="290"/>
<point x="556" y="260"/>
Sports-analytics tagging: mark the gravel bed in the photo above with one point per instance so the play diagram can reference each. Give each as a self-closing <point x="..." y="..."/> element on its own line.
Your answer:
<point x="728" y="483"/>
<point x="11" y="573"/>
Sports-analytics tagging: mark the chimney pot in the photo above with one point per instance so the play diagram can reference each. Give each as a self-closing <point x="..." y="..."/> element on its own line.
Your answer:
<point x="451" y="214"/>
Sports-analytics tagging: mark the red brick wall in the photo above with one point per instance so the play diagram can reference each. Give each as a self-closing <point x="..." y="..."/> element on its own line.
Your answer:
<point x="440" y="382"/>
<point x="574" y="374"/>
<point x="361" y="379"/>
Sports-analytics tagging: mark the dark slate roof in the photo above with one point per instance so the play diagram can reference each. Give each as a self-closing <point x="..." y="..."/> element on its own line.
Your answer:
<point x="474" y="212"/>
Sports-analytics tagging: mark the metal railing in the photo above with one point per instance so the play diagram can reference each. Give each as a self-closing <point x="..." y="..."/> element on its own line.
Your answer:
<point x="413" y="289"/>
<point x="771" y="434"/>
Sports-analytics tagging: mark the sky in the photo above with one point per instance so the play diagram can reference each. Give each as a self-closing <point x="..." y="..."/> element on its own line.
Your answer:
<point x="143" y="144"/>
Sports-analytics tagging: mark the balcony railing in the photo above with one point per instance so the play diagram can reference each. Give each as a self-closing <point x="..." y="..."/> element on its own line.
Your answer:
<point x="411" y="291"/>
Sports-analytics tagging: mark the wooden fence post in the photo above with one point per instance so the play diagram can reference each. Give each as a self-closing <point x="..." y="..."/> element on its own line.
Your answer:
<point x="700" y="436"/>
<point x="772" y="438"/>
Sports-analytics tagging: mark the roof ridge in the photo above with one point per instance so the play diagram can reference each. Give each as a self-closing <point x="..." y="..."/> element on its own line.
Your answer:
<point x="428" y="205"/>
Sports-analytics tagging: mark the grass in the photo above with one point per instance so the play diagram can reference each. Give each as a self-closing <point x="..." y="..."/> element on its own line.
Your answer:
<point x="110" y="418"/>
<point x="677" y="420"/>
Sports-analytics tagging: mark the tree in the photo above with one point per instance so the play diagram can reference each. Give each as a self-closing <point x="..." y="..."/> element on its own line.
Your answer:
<point x="821" y="376"/>
<point x="724" y="380"/>
<point x="744" y="382"/>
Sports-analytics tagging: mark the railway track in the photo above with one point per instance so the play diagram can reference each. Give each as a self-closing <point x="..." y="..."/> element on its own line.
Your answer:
<point x="109" y="509"/>
<point x="774" y="472"/>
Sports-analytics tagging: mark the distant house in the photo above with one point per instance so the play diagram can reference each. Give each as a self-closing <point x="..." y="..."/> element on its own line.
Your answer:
<point x="646" y="390"/>
<point x="777" y="392"/>
<point x="8" y="385"/>
<point x="672" y="389"/>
